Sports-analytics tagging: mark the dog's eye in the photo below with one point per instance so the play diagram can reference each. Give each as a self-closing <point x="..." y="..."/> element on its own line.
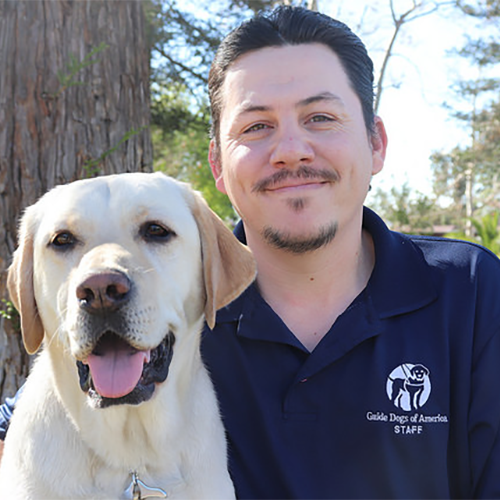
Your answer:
<point x="63" y="240"/>
<point x="153" y="231"/>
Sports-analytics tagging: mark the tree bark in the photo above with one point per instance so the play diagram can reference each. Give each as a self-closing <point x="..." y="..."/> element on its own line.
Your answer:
<point x="74" y="103"/>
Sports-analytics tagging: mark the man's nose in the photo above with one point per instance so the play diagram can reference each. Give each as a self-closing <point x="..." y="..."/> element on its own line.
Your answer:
<point x="292" y="147"/>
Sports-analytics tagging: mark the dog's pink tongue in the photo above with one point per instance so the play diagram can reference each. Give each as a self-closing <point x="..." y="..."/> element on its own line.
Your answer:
<point x="116" y="368"/>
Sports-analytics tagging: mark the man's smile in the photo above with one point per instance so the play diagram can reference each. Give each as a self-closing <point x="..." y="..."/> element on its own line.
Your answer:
<point x="304" y="177"/>
<point x="291" y="187"/>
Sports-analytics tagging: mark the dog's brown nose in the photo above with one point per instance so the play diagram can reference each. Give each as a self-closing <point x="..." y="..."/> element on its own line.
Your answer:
<point x="105" y="291"/>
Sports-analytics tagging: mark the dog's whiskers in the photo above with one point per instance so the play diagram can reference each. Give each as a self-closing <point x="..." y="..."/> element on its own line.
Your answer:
<point x="143" y="270"/>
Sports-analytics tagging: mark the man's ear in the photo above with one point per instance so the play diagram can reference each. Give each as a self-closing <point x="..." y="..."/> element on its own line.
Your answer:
<point x="378" y="139"/>
<point x="216" y="166"/>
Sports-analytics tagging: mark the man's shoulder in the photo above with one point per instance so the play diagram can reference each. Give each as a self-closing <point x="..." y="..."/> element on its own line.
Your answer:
<point x="412" y="256"/>
<point x="463" y="268"/>
<point x="454" y="253"/>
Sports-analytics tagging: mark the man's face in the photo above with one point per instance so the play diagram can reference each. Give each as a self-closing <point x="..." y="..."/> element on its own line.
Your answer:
<point x="295" y="156"/>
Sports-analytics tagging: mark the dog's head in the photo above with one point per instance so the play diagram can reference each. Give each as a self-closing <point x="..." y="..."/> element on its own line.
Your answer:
<point x="111" y="269"/>
<point x="419" y="373"/>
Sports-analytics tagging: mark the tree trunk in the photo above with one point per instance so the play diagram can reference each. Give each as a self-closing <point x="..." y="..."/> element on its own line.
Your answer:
<point x="74" y="103"/>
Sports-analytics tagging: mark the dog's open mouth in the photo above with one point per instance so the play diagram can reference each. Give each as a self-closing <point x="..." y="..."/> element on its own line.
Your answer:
<point x="117" y="373"/>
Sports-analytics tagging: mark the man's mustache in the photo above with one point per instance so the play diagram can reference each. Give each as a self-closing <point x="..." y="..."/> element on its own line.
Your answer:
<point x="303" y="172"/>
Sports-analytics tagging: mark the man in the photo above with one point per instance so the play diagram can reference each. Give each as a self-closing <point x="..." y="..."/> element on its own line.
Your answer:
<point x="362" y="363"/>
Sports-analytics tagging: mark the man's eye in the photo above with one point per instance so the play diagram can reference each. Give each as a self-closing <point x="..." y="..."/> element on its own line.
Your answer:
<point x="256" y="127"/>
<point x="153" y="231"/>
<point x="63" y="240"/>
<point x="321" y="118"/>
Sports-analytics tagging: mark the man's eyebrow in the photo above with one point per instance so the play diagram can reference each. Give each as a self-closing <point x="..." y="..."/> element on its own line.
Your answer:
<point x="323" y="96"/>
<point x="253" y="109"/>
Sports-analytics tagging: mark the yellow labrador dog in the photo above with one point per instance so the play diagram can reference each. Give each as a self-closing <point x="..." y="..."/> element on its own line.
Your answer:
<point x="115" y="277"/>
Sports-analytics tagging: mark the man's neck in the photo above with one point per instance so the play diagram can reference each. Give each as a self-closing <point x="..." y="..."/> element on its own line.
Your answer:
<point x="311" y="290"/>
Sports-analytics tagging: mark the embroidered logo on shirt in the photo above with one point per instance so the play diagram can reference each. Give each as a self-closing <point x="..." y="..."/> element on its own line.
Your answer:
<point x="409" y="386"/>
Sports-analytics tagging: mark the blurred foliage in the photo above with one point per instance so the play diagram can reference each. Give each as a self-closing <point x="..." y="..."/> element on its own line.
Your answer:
<point x="410" y="212"/>
<point x="487" y="233"/>
<point x="486" y="9"/>
<point x="469" y="174"/>
<point x="180" y="143"/>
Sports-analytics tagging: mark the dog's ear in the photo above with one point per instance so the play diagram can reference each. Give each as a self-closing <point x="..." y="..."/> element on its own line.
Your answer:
<point x="20" y="286"/>
<point x="228" y="265"/>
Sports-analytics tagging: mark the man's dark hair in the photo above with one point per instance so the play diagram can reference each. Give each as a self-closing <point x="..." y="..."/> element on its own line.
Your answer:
<point x="293" y="26"/>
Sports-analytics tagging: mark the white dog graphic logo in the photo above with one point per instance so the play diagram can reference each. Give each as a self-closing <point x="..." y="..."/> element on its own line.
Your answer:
<point x="409" y="386"/>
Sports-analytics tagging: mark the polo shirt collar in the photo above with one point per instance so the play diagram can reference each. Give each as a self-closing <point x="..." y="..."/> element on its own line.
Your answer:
<point x="401" y="280"/>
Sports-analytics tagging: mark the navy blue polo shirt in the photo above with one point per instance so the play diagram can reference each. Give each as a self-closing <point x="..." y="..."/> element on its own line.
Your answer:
<point x="401" y="399"/>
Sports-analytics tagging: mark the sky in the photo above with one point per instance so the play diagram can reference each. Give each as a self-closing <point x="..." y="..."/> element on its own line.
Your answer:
<point x="418" y="84"/>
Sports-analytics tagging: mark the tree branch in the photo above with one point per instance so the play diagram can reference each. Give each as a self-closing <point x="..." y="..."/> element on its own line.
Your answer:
<point x="404" y="18"/>
<point x="164" y="54"/>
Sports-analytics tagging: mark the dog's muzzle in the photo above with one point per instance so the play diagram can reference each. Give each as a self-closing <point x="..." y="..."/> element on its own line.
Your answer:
<point x="117" y="373"/>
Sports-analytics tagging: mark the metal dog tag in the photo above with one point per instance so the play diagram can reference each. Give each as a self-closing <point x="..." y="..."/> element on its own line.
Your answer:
<point x="137" y="490"/>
